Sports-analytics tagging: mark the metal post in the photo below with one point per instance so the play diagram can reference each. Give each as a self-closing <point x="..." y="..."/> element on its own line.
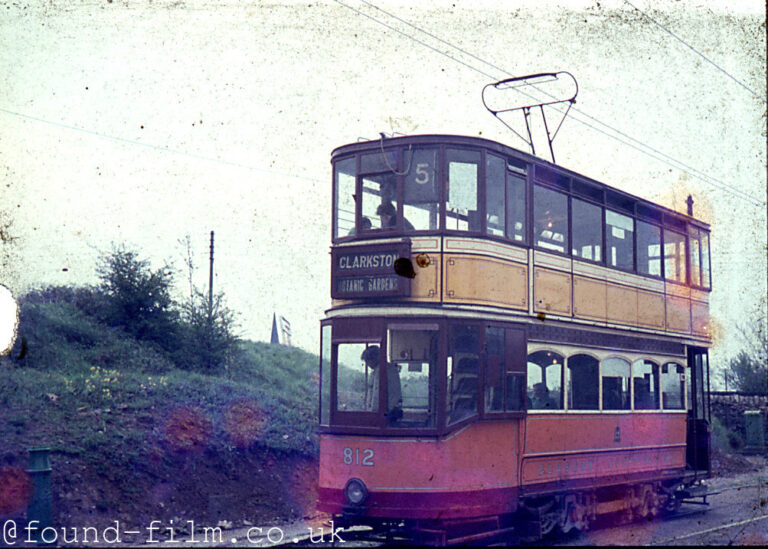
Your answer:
<point x="40" y="508"/>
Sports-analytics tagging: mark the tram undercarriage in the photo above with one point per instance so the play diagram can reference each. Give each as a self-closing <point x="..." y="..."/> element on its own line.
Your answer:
<point x="538" y="517"/>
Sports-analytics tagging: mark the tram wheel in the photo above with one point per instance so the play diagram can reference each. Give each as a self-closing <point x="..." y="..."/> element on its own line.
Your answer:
<point x="673" y="504"/>
<point x="645" y="511"/>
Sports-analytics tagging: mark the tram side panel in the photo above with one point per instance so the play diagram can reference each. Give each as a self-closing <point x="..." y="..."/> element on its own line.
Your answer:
<point x="564" y="452"/>
<point x="470" y="473"/>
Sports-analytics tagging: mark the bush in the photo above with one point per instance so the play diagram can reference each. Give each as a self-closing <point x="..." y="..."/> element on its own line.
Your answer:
<point x="209" y="337"/>
<point x="139" y="299"/>
<point x="86" y="299"/>
<point x="748" y="372"/>
<point x="725" y="439"/>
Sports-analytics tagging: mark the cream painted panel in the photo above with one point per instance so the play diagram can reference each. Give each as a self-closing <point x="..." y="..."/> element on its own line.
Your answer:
<point x="650" y="309"/>
<point x="589" y="298"/>
<point x="700" y="319"/>
<point x="475" y="279"/>
<point x="426" y="286"/>
<point x="678" y="314"/>
<point x="622" y="304"/>
<point x="551" y="291"/>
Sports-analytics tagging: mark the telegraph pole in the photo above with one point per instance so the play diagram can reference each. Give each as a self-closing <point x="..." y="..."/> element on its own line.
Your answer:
<point x="209" y="328"/>
<point x="210" y="281"/>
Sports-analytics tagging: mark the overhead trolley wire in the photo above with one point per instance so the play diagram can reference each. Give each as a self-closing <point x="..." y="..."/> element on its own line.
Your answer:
<point x="694" y="50"/>
<point x="155" y="147"/>
<point x="652" y="152"/>
<point x="390" y="27"/>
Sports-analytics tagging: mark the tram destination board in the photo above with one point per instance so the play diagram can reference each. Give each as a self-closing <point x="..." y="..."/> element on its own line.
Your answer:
<point x="369" y="271"/>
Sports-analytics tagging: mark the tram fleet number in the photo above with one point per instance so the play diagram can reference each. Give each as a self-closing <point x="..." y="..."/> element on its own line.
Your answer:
<point x="356" y="457"/>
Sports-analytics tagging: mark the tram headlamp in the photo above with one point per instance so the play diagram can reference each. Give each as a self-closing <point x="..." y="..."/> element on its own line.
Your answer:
<point x="355" y="491"/>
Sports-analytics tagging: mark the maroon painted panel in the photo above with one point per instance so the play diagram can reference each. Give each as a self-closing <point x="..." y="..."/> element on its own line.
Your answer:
<point x="426" y="505"/>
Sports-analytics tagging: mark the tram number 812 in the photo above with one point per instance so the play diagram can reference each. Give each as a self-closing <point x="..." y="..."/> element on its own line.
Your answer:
<point x="353" y="457"/>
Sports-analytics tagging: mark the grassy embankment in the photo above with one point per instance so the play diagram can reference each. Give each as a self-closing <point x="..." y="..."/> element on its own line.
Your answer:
<point x="135" y="437"/>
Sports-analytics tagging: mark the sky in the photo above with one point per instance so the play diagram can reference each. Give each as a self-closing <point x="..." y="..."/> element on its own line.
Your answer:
<point x="142" y="122"/>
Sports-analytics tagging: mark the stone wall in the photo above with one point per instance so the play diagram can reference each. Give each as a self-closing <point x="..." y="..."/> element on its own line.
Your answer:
<point x="729" y="408"/>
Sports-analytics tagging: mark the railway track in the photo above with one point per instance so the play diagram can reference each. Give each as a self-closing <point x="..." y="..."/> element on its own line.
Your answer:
<point x="365" y="536"/>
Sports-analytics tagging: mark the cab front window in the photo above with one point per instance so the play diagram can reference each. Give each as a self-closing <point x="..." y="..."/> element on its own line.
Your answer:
<point x="357" y="379"/>
<point x="411" y="378"/>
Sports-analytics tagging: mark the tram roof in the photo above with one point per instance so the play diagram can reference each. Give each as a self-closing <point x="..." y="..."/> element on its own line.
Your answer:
<point x="464" y="140"/>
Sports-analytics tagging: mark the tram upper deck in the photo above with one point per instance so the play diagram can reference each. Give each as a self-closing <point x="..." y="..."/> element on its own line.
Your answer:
<point x="489" y="228"/>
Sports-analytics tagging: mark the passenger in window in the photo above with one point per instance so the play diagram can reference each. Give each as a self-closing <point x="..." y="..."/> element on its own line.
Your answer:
<point x="394" y="394"/>
<point x="370" y="357"/>
<point x="541" y="399"/>
<point x="365" y="225"/>
<point x="386" y="211"/>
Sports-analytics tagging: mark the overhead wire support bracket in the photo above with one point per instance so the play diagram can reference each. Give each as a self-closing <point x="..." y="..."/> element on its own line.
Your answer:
<point x="497" y="100"/>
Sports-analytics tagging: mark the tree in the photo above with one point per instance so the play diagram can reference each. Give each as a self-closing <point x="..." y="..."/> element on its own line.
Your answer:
<point x="139" y="298"/>
<point x="748" y="372"/>
<point x="210" y="336"/>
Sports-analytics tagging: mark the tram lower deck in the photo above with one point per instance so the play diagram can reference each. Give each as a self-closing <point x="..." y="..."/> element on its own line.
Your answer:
<point x="444" y="418"/>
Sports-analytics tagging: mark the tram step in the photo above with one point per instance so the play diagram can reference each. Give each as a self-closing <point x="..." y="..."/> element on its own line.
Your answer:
<point x="480" y="536"/>
<point x="701" y="491"/>
<point x="440" y="537"/>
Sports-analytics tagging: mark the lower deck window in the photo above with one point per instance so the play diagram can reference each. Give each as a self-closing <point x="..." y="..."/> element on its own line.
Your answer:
<point x="545" y="381"/>
<point x="672" y="386"/>
<point x="411" y="378"/>
<point x="325" y="375"/>
<point x="583" y="379"/>
<point x="357" y="379"/>
<point x="645" y="385"/>
<point x="463" y="369"/>
<point x="615" y="378"/>
<point x="503" y="385"/>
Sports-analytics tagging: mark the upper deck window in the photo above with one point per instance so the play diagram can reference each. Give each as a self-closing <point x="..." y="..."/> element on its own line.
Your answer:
<point x="674" y="256"/>
<point x="550" y="219"/>
<point x="344" y="198"/>
<point x="648" y="249"/>
<point x="706" y="282"/>
<point x="619" y="240"/>
<point x="516" y="207"/>
<point x="587" y="230"/>
<point x="462" y="208"/>
<point x="421" y="196"/>
<point x="495" y="190"/>
<point x="504" y="200"/>
<point x="379" y="211"/>
<point x="699" y="249"/>
<point x="695" y="250"/>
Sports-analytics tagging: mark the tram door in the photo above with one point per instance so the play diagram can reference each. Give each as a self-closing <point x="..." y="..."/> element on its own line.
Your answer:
<point x="698" y="435"/>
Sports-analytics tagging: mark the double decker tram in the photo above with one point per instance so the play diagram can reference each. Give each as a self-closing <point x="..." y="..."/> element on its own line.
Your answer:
<point x="510" y="344"/>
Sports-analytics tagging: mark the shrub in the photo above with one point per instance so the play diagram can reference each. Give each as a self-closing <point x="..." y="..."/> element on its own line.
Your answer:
<point x="138" y="298"/>
<point x="208" y="333"/>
